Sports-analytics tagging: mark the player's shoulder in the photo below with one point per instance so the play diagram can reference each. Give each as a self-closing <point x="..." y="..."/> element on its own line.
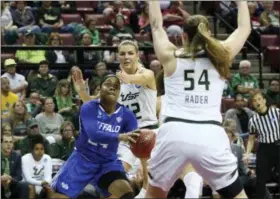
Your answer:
<point x="46" y="158"/>
<point x="90" y="104"/>
<point x="143" y="70"/>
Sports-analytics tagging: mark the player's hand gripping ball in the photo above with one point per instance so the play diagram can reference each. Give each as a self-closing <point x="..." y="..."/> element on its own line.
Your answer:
<point x="144" y="144"/>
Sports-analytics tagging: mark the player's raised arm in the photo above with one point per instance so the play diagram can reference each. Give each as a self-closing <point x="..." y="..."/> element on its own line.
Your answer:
<point x="238" y="38"/>
<point x="164" y="49"/>
<point x="80" y="85"/>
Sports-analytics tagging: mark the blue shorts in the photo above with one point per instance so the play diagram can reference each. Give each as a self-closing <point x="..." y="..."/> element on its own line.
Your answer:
<point x="77" y="172"/>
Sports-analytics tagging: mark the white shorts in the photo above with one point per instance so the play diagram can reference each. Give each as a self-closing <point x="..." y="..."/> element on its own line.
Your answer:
<point x="205" y="146"/>
<point x="125" y="154"/>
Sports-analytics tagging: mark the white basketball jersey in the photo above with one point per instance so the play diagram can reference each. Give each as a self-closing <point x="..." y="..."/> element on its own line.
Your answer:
<point x="194" y="91"/>
<point x="142" y="101"/>
<point x="161" y="116"/>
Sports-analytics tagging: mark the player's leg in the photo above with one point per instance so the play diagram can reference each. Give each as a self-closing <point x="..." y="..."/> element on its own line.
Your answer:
<point x="112" y="180"/>
<point x="73" y="177"/>
<point x="167" y="160"/>
<point x="215" y="162"/>
<point x="193" y="182"/>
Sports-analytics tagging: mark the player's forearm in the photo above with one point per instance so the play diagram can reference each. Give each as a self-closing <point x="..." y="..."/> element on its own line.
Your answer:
<point x="250" y="144"/>
<point x="155" y="15"/>
<point x="138" y="79"/>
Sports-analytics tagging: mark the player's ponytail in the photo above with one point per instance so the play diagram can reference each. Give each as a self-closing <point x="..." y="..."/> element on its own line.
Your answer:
<point x="197" y="28"/>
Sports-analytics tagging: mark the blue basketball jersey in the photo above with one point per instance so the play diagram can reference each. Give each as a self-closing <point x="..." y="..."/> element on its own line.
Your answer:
<point x="98" y="139"/>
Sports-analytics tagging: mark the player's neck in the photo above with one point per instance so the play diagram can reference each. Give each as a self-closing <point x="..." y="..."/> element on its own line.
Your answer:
<point x="109" y="108"/>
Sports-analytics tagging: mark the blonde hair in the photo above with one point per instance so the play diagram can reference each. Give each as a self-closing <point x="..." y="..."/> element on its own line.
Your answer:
<point x="129" y="42"/>
<point x="197" y="28"/>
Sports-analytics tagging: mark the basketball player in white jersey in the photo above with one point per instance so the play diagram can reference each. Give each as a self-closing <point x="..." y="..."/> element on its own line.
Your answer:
<point x="192" y="180"/>
<point x="194" y="81"/>
<point x="138" y="93"/>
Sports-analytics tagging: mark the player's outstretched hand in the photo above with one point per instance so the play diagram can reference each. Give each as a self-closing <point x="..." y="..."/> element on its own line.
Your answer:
<point x="78" y="81"/>
<point x="130" y="137"/>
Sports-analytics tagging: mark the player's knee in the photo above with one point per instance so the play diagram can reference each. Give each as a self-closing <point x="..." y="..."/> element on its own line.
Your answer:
<point x="121" y="189"/>
<point x="232" y="190"/>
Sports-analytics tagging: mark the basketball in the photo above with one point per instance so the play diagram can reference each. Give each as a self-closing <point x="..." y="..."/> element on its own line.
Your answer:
<point x="144" y="144"/>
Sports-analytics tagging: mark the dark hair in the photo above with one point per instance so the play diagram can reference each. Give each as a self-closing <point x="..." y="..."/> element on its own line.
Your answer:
<point x="236" y="95"/>
<point x="43" y="62"/>
<point x="106" y="77"/>
<point x="36" y="139"/>
<point x="2" y="136"/>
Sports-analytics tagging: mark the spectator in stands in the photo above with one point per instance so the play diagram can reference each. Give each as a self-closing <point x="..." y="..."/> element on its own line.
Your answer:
<point x="155" y="66"/>
<point x="144" y="21"/>
<point x="24" y="146"/>
<point x="18" y="117"/>
<point x="7" y="97"/>
<point x="121" y="30"/>
<point x="230" y="127"/>
<point x="7" y="29"/>
<point x="273" y="93"/>
<point x="63" y="100"/>
<point x="50" y="121"/>
<point x="270" y="19"/>
<point x="37" y="167"/>
<point x="111" y="56"/>
<point x="99" y="72"/>
<point x="91" y="29"/>
<point x="11" y="171"/>
<point x="117" y="8"/>
<point x="56" y="56"/>
<point x="240" y="114"/>
<point x="30" y="56"/>
<point x="243" y="82"/>
<point x="247" y="176"/>
<point x="95" y="90"/>
<point x="67" y="6"/>
<point x="89" y="56"/>
<point x="34" y="105"/>
<point x="63" y="148"/>
<point x="174" y="18"/>
<point x="6" y="129"/>
<point x="69" y="79"/>
<point x="17" y="81"/>
<point x="24" y="19"/>
<point x="44" y="83"/>
<point x="254" y="19"/>
<point x="49" y="18"/>
<point x="227" y="92"/>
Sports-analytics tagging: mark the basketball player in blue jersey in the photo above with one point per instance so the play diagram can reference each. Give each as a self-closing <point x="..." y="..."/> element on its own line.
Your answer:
<point x="103" y="124"/>
<point x="194" y="78"/>
<point x="138" y="93"/>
